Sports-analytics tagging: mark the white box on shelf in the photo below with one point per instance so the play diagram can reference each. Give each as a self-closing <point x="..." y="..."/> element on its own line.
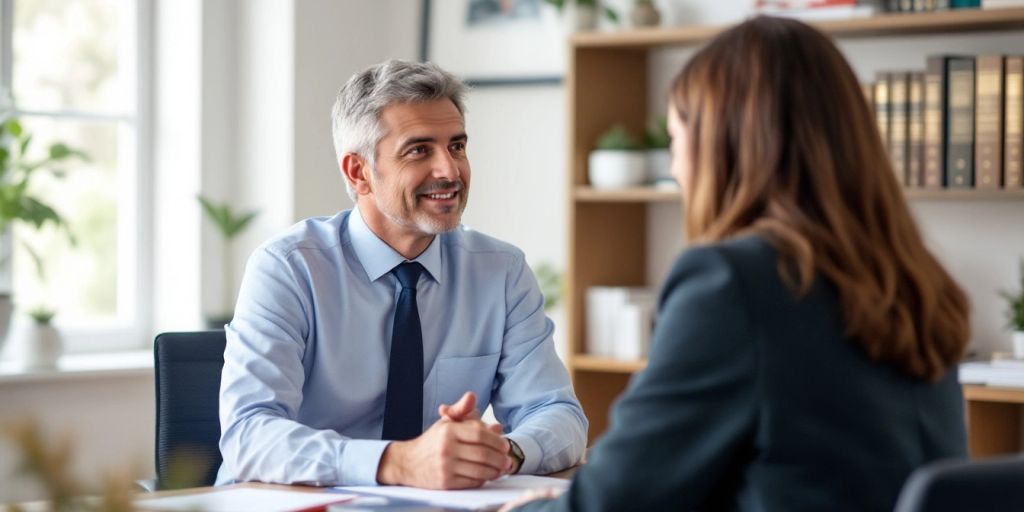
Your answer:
<point x="619" y="321"/>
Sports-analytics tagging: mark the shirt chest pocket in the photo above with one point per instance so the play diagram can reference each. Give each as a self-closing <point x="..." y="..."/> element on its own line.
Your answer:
<point x="456" y="375"/>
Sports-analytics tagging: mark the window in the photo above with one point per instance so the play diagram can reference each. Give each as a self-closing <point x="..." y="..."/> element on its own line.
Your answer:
<point x="70" y="70"/>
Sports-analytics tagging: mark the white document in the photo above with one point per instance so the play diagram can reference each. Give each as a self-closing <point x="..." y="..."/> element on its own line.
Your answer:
<point x="246" y="500"/>
<point x="491" y="496"/>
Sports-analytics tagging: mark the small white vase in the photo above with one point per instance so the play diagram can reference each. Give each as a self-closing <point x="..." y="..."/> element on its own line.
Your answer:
<point x="659" y="165"/>
<point x="39" y="346"/>
<point x="1018" y="344"/>
<point x="608" y="168"/>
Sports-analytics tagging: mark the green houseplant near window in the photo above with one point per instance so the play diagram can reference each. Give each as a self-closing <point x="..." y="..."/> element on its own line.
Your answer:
<point x="1015" y="314"/>
<point x="18" y="203"/>
<point x="229" y="224"/>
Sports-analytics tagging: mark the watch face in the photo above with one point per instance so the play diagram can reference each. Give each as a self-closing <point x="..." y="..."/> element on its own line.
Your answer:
<point x="517" y="452"/>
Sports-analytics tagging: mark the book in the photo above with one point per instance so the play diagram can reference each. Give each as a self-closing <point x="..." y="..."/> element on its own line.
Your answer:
<point x="915" y="147"/>
<point x="991" y="374"/>
<point x="619" y="321"/>
<point x="882" y="106"/>
<point x="1013" y="123"/>
<point x="898" y="134"/>
<point x="1001" y="4"/>
<point x="935" y="110"/>
<point x="960" y="127"/>
<point x="988" y="124"/>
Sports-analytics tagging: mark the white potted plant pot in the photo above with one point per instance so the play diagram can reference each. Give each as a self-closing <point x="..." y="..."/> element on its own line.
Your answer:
<point x="659" y="166"/>
<point x="39" y="346"/>
<point x="610" y="168"/>
<point x="1018" y="344"/>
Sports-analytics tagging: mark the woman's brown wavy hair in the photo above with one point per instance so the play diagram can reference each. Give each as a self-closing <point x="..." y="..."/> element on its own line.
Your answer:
<point x="783" y="143"/>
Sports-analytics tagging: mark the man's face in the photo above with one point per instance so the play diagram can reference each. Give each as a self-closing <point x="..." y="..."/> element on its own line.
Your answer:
<point x="421" y="179"/>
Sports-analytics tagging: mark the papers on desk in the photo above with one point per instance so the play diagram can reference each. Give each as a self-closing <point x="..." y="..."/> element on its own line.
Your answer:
<point x="999" y="372"/>
<point x="491" y="496"/>
<point x="246" y="500"/>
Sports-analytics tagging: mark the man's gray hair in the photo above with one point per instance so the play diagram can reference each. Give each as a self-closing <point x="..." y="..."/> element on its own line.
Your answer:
<point x="356" y="114"/>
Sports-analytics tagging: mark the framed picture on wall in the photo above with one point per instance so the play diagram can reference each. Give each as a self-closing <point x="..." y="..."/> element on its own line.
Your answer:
<point x="493" y="42"/>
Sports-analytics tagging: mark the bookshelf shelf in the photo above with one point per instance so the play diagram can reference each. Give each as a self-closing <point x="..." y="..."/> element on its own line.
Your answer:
<point x="993" y="394"/>
<point x="627" y="195"/>
<point x="895" y="24"/>
<point x="964" y="194"/>
<point x="585" y="194"/>
<point x="608" y="82"/>
<point x="603" y="364"/>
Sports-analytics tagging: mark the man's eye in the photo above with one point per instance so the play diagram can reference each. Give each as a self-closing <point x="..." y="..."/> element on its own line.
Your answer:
<point x="417" y="150"/>
<point x="458" y="147"/>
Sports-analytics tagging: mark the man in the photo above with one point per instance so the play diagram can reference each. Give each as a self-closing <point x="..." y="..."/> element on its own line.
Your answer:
<point x="362" y="344"/>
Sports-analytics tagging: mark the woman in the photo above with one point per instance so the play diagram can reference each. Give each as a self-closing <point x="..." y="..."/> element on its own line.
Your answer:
<point x="806" y="346"/>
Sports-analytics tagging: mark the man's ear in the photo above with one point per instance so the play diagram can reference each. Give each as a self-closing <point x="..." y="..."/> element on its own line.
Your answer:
<point x="356" y="172"/>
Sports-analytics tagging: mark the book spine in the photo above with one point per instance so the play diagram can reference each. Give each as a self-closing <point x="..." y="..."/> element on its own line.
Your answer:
<point x="988" y="126"/>
<point x="960" y="130"/>
<point x="915" y="156"/>
<point x="898" y="134"/>
<point x="935" y="123"/>
<point x="1013" y="144"/>
<point x="869" y="94"/>
<point x="882" y="108"/>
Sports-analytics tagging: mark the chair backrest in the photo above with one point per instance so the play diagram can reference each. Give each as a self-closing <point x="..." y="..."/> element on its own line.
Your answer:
<point x="982" y="485"/>
<point x="187" y="367"/>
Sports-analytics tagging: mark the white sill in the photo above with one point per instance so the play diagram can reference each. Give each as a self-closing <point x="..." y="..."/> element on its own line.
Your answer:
<point x="83" y="366"/>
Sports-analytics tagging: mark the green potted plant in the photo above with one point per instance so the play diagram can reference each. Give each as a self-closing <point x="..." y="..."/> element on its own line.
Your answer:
<point x="1015" y="314"/>
<point x="229" y="224"/>
<point x="617" y="161"/>
<point x="577" y="15"/>
<point x="18" y="202"/>
<point x="659" y="158"/>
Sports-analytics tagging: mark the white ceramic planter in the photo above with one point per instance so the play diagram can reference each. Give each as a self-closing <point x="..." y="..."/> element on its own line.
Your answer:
<point x="38" y="346"/>
<point x="659" y="165"/>
<point x="1018" y="344"/>
<point x="616" y="168"/>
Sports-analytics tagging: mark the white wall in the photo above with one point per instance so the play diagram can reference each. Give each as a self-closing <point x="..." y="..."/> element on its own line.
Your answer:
<point x="108" y="420"/>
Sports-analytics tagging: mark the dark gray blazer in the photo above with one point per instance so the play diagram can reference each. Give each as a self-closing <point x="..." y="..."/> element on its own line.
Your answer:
<point x="754" y="400"/>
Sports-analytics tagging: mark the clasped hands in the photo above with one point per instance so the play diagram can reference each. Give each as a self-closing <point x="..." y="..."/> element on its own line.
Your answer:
<point x="459" y="451"/>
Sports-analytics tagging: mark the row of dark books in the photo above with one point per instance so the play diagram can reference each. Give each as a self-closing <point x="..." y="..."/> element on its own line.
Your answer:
<point x="957" y="124"/>
<point x="926" y="5"/>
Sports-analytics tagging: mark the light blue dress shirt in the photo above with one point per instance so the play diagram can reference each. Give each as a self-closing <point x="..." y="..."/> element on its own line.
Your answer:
<point x="306" y="364"/>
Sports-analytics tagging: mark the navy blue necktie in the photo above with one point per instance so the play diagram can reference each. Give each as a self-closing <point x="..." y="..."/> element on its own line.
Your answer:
<point x="403" y="403"/>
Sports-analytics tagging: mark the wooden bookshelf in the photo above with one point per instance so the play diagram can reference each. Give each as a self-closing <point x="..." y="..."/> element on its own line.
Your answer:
<point x="604" y="364"/>
<point x="664" y="195"/>
<point x="994" y="420"/>
<point x="607" y="83"/>
<point x="890" y="24"/>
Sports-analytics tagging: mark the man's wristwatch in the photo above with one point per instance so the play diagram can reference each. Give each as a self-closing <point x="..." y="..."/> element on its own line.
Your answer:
<point x="517" y="455"/>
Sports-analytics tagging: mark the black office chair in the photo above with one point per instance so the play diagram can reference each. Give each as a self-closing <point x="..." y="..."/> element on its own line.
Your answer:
<point x="995" y="484"/>
<point x="188" y="367"/>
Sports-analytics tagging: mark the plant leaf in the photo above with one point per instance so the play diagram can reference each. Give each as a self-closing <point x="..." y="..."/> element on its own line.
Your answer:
<point x="235" y="226"/>
<point x="14" y="127"/>
<point x="37" y="213"/>
<point x="60" y="151"/>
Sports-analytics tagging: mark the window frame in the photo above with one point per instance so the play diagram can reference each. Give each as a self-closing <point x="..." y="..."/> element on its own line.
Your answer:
<point x="132" y="325"/>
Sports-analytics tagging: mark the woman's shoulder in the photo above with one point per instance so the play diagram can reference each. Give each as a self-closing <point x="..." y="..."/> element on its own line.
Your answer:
<point x="744" y="253"/>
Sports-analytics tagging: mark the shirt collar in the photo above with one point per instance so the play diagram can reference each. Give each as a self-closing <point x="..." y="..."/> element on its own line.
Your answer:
<point x="378" y="258"/>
